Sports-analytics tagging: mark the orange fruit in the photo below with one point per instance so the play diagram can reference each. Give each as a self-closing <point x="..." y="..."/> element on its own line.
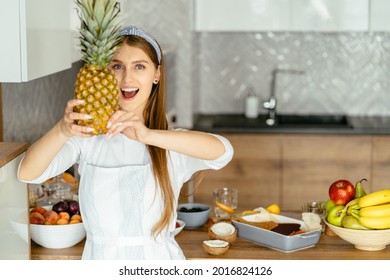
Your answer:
<point x="225" y="208"/>
<point x="69" y="178"/>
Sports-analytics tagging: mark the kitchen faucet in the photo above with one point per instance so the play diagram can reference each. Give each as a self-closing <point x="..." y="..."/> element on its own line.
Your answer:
<point x="271" y="103"/>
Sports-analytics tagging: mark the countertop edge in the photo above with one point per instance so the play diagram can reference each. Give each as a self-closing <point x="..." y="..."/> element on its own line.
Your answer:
<point x="10" y="150"/>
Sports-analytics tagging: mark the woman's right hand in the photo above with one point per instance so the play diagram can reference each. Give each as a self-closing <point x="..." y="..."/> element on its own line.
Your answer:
<point x="68" y="125"/>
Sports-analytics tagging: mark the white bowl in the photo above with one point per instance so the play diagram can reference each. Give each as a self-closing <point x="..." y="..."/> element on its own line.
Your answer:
<point x="179" y="228"/>
<point x="57" y="236"/>
<point x="193" y="219"/>
<point x="368" y="240"/>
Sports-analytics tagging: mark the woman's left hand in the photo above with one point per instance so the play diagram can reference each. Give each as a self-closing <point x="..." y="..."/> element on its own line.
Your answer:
<point x="129" y="124"/>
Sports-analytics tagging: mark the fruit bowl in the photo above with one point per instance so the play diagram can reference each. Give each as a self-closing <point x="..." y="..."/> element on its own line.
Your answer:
<point x="194" y="215"/>
<point x="368" y="240"/>
<point x="57" y="230"/>
<point x="57" y="236"/>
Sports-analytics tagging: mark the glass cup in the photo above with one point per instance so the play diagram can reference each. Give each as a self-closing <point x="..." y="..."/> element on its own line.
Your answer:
<point x="54" y="190"/>
<point x="317" y="208"/>
<point x="227" y="198"/>
<point x="314" y="207"/>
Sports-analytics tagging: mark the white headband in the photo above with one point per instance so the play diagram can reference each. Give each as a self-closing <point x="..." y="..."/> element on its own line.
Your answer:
<point x="134" y="30"/>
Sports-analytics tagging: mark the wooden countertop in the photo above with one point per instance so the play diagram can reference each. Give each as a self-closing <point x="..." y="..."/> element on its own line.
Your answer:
<point x="328" y="248"/>
<point x="10" y="150"/>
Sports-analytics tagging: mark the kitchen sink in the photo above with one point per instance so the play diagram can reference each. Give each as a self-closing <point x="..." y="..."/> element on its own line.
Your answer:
<point x="282" y="121"/>
<point x="312" y="120"/>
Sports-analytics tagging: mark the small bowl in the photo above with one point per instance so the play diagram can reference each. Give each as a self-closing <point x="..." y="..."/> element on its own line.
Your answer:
<point x="179" y="228"/>
<point x="368" y="240"/>
<point x="193" y="219"/>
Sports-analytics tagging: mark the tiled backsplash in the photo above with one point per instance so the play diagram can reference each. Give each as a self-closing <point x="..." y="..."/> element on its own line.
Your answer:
<point x="211" y="72"/>
<point x="30" y="109"/>
<point x="344" y="72"/>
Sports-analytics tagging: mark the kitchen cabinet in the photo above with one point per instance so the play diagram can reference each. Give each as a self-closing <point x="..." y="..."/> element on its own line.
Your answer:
<point x="379" y="15"/>
<point x="290" y="169"/>
<point x="380" y="163"/>
<point x="14" y="234"/>
<point x="281" y="15"/>
<point x="330" y="15"/>
<point x="312" y="163"/>
<point x="36" y="38"/>
<point x="243" y="15"/>
<point x="255" y="171"/>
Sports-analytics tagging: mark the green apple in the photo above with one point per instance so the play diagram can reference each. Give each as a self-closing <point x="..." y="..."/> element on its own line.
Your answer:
<point x="336" y="215"/>
<point x="329" y="204"/>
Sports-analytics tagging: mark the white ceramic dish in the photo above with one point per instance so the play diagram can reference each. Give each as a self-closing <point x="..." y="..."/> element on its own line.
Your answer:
<point x="57" y="236"/>
<point x="180" y="228"/>
<point x="367" y="240"/>
<point x="276" y="240"/>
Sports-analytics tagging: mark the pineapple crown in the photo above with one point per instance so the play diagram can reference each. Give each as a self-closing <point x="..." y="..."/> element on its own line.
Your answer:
<point x="99" y="29"/>
<point x="136" y="31"/>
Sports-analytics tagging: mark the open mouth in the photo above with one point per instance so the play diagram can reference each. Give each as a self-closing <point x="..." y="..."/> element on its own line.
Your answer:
<point x="129" y="93"/>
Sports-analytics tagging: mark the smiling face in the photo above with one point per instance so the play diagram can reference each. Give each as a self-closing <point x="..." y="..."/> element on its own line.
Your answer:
<point x="136" y="74"/>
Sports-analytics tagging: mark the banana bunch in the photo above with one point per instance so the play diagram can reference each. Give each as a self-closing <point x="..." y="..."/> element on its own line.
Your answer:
<point x="372" y="210"/>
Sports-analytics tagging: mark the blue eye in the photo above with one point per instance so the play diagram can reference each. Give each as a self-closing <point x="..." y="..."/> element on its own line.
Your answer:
<point x="116" y="67"/>
<point x="139" y="67"/>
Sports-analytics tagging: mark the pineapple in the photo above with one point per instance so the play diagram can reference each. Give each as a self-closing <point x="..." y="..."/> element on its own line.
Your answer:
<point x="95" y="83"/>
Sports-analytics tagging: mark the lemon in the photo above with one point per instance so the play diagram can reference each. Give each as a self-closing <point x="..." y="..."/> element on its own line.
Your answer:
<point x="225" y="208"/>
<point x="273" y="208"/>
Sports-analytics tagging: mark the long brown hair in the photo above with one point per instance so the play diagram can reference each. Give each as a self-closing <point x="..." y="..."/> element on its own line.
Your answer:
<point x="155" y="118"/>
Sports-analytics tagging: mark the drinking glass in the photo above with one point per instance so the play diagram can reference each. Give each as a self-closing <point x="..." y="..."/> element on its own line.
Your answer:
<point x="225" y="198"/>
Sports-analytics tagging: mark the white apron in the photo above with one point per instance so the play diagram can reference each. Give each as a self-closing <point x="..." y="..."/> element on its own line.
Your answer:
<point x="119" y="207"/>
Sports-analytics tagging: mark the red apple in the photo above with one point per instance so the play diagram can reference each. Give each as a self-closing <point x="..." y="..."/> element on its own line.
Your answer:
<point x="341" y="192"/>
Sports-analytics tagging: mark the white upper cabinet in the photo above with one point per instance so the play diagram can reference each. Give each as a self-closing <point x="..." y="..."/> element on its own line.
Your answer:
<point x="282" y="15"/>
<point x="241" y="15"/>
<point x="330" y="15"/>
<point x="36" y="38"/>
<point x="379" y="18"/>
<point x="74" y="28"/>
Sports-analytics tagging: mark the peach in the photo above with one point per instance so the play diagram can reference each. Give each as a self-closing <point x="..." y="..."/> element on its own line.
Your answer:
<point x="64" y="215"/>
<point x="74" y="221"/>
<point x="76" y="217"/>
<point x="51" y="217"/>
<point x="38" y="209"/>
<point x="36" y="218"/>
<point x="47" y="223"/>
<point x="62" y="221"/>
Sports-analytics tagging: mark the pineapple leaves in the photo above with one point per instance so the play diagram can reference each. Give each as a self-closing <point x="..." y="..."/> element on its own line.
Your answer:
<point x="98" y="30"/>
<point x="99" y="12"/>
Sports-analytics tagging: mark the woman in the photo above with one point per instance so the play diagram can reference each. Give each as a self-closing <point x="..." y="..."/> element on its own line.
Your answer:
<point x="130" y="177"/>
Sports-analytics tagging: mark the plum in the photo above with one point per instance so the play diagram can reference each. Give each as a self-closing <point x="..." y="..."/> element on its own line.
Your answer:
<point x="60" y="206"/>
<point x="74" y="207"/>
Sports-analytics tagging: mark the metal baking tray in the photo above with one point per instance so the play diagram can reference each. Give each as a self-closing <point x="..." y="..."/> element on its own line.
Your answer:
<point x="276" y="240"/>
